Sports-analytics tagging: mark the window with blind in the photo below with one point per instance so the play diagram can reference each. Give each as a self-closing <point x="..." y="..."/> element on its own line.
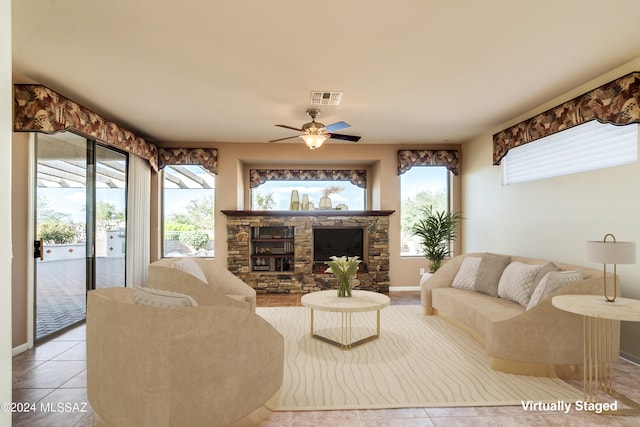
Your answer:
<point x="588" y="146"/>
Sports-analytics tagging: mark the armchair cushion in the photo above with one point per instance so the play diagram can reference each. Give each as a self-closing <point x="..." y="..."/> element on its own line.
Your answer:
<point x="189" y="266"/>
<point x="160" y="298"/>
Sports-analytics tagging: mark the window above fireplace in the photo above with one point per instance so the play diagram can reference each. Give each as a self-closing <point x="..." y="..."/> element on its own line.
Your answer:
<point x="295" y="189"/>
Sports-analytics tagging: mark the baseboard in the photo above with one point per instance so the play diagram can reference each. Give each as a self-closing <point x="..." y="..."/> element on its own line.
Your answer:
<point x="630" y="358"/>
<point x="403" y="288"/>
<point x="19" y="349"/>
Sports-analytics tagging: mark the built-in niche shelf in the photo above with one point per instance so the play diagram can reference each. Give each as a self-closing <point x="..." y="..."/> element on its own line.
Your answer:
<point x="272" y="249"/>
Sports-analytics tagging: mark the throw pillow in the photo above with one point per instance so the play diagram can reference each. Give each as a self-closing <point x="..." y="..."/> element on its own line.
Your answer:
<point x="517" y="282"/>
<point x="466" y="276"/>
<point x="489" y="273"/>
<point x="543" y="272"/>
<point x="161" y="298"/>
<point x="191" y="267"/>
<point x="550" y="283"/>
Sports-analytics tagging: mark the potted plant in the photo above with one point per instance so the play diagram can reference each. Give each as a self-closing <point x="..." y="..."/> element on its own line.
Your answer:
<point x="438" y="229"/>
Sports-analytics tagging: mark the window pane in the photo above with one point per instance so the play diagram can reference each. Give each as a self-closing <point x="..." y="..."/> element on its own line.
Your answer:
<point x="582" y="148"/>
<point x="276" y="195"/>
<point x="420" y="186"/>
<point x="188" y="212"/>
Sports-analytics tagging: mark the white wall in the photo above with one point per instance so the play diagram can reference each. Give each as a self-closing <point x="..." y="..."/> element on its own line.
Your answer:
<point x="6" y="102"/>
<point x="553" y="218"/>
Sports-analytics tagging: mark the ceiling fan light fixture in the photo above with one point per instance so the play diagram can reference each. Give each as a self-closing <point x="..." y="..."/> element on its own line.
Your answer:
<point x="313" y="141"/>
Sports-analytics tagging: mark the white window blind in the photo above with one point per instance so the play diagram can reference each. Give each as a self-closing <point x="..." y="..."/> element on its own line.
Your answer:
<point x="589" y="146"/>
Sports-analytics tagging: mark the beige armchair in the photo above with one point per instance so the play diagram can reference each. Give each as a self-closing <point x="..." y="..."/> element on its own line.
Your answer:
<point x="177" y="275"/>
<point x="209" y="365"/>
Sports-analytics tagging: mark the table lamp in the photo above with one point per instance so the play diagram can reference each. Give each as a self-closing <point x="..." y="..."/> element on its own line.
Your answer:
<point x="611" y="252"/>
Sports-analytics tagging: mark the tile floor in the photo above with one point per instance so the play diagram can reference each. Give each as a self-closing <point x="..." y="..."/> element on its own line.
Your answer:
<point x="54" y="373"/>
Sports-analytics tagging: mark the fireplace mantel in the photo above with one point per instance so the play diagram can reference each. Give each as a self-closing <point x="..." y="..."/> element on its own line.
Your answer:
<point x="246" y="213"/>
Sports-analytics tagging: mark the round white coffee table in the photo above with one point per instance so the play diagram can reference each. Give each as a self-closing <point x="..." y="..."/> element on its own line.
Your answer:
<point x="360" y="301"/>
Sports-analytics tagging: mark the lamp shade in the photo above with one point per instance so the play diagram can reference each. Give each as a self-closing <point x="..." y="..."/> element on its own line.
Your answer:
<point x="611" y="252"/>
<point x="313" y="141"/>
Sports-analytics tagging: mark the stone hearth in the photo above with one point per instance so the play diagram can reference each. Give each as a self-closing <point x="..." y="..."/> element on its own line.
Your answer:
<point x="303" y="279"/>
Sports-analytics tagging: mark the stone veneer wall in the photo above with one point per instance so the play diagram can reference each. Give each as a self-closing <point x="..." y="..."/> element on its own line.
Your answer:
<point x="303" y="279"/>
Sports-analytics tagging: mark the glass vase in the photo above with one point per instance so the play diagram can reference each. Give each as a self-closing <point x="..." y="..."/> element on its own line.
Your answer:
<point x="344" y="287"/>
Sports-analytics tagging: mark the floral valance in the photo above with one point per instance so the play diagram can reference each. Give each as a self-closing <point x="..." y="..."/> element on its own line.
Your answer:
<point x="260" y="176"/>
<point x="207" y="157"/>
<point x="447" y="158"/>
<point x="617" y="102"/>
<point x="40" y="109"/>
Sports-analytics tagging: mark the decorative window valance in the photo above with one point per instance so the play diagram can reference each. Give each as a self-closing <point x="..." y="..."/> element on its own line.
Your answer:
<point x="207" y="157"/>
<point x="40" y="109"/>
<point x="260" y="176"/>
<point x="447" y="158"/>
<point x="617" y="102"/>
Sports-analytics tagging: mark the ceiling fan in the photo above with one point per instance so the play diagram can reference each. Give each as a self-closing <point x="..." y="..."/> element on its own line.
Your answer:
<point x="315" y="133"/>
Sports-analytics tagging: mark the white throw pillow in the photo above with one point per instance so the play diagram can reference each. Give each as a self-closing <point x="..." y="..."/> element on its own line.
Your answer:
<point x="550" y="283"/>
<point x="191" y="267"/>
<point x="466" y="276"/>
<point x="161" y="298"/>
<point x="517" y="281"/>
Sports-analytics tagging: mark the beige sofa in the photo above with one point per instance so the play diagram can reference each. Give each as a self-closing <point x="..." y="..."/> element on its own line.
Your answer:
<point x="203" y="279"/>
<point x="541" y="340"/>
<point x="208" y="365"/>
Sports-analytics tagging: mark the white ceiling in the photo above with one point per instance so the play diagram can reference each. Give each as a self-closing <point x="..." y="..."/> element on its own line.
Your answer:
<point x="412" y="71"/>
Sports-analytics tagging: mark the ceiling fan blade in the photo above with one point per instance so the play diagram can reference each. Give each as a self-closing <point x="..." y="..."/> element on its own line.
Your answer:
<point x="351" y="138"/>
<point x="336" y="126"/>
<point x="282" y="139"/>
<point x="289" y="127"/>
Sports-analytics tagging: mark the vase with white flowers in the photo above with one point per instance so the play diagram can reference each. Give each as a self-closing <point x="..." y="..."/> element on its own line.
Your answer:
<point x="345" y="269"/>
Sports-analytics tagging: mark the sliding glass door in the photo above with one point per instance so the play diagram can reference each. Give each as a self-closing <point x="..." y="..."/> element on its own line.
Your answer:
<point x="110" y="217"/>
<point x="80" y="226"/>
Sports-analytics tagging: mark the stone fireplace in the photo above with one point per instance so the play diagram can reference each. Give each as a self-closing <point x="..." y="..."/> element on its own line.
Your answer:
<point x="338" y="231"/>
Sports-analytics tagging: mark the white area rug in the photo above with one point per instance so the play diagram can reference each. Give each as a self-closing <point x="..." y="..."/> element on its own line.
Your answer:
<point x="418" y="361"/>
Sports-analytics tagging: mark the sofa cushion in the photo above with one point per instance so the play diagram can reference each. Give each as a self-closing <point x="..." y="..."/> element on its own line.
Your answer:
<point x="466" y="276"/>
<point x="550" y="283"/>
<point x="489" y="273"/>
<point x="191" y="267"/>
<point x="161" y="298"/>
<point x="472" y="309"/>
<point x="517" y="282"/>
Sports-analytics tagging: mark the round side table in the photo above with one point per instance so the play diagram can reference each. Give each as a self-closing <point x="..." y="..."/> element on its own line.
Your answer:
<point x="598" y="317"/>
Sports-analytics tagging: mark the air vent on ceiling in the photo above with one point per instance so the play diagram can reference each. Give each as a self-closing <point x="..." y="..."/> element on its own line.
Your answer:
<point x="326" y="98"/>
